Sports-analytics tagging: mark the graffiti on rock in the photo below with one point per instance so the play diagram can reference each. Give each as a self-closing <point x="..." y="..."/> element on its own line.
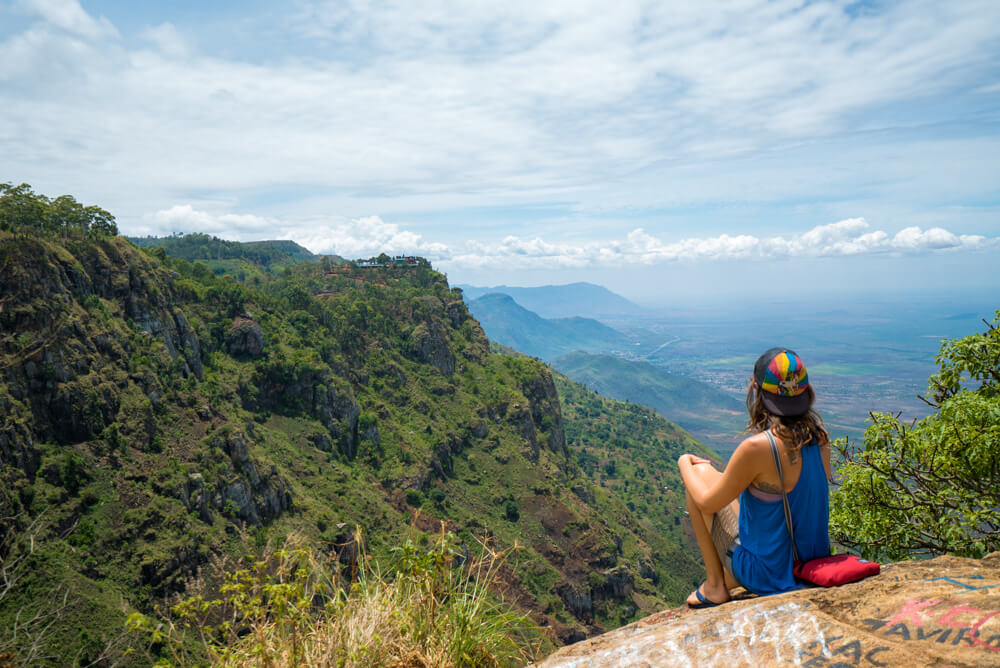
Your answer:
<point x="976" y="586"/>
<point x="942" y="622"/>
<point x="760" y="634"/>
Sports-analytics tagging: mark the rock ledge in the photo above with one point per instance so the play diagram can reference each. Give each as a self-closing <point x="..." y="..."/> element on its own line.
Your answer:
<point x="941" y="612"/>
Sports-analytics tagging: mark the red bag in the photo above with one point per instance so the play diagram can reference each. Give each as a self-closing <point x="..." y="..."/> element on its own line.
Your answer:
<point x="824" y="571"/>
<point x="835" y="570"/>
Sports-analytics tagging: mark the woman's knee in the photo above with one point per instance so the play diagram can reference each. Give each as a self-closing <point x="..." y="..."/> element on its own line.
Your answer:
<point x="706" y="473"/>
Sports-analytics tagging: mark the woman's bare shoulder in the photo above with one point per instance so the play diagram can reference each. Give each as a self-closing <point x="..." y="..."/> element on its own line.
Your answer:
<point x="751" y="448"/>
<point x="754" y="442"/>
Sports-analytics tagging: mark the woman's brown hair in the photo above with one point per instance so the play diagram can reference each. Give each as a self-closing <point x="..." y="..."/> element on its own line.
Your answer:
<point x="797" y="431"/>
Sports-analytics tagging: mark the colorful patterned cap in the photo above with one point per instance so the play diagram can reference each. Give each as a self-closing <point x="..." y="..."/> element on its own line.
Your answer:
<point x="783" y="381"/>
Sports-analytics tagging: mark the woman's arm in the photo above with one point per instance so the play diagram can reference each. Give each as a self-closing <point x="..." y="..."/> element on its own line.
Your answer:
<point x="713" y="496"/>
<point x="824" y="451"/>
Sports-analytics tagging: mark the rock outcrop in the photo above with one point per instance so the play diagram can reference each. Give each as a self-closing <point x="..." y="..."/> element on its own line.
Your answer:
<point x="430" y="345"/>
<point x="543" y="399"/>
<point x="245" y="337"/>
<point x="312" y="391"/>
<point x="243" y="492"/>
<point x="942" y="612"/>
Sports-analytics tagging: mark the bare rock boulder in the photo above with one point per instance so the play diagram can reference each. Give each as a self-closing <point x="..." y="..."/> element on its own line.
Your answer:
<point x="245" y="337"/>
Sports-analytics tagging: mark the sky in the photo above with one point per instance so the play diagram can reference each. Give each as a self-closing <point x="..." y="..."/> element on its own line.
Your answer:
<point x="666" y="150"/>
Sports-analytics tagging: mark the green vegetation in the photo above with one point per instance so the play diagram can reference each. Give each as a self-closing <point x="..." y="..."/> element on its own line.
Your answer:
<point x="932" y="487"/>
<point x="712" y="415"/>
<point x="432" y="608"/>
<point x="157" y="419"/>
<point x="631" y="452"/>
<point x="232" y="257"/>
<point x="24" y="212"/>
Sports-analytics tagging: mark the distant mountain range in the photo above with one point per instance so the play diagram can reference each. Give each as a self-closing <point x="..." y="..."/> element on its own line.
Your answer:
<point x="712" y="416"/>
<point x="562" y="301"/>
<point x="509" y="323"/>
<point x="570" y="344"/>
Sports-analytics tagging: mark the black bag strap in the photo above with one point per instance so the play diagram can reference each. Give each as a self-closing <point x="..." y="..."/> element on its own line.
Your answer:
<point x="784" y="496"/>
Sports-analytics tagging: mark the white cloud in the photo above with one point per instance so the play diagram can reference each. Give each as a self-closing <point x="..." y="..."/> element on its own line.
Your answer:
<point x="370" y="235"/>
<point x="361" y="237"/>
<point x="167" y="39"/>
<point x="185" y="218"/>
<point x="913" y="238"/>
<point x="71" y="17"/>
<point x="482" y="97"/>
<point x="846" y="237"/>
<point x="365" y="237"/>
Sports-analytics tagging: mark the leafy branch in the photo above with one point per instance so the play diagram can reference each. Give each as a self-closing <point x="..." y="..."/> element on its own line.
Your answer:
<point x="931" y="487"/>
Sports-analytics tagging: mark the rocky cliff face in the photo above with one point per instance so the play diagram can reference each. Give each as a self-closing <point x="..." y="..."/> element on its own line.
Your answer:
<point x="430" y="345"/>
<point x="942" y="612"/>
<point x="308" y="390"/>
<point x="70" y="323"/>
<point x="543" y="405"/>
<point x="245" y="492"/>
<point x="95" y="343"/>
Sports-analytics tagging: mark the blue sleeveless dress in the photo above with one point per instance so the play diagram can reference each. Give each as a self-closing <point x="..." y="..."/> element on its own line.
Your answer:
<point x="763" y="561"/>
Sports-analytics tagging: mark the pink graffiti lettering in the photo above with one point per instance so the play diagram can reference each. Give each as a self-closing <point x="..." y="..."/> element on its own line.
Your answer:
<point x="912" y="611"/>
<point x="974" y="633"/>
<point x="948" y="618"/>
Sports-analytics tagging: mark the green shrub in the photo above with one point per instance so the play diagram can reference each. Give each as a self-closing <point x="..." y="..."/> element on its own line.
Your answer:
<point x="932" y="487"/>
<point x="414" y="498"/>
<point x="72" y="473"/>
<point x="366" y="421"/>
<point x="437" y="496"/>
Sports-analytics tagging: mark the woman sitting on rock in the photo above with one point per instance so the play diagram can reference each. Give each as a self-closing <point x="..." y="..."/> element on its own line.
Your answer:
<point x="738" y="515"/>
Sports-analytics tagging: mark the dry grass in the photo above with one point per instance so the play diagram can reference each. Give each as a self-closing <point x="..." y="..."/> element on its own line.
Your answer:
<point x="428" y="609"/>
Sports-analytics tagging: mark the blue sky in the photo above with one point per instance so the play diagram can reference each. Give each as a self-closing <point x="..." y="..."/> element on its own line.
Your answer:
<point x="665" y="150"/>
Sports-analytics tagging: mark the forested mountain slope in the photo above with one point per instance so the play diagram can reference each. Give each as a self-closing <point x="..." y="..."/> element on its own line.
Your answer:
<point x="250" y="261"/>
<point x="204" y="247"/>
<point x="509" y="323"/>
<point x="156" y="418"/>
<point x="712" y="415"/>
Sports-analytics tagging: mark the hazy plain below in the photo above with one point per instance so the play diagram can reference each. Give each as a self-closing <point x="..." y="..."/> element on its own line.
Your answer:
<point x="862" y="355"/>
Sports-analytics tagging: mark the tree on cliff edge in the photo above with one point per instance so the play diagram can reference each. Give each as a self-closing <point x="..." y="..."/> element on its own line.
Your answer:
<point x="932" y="487"/>
<point x="26" y="212"/>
